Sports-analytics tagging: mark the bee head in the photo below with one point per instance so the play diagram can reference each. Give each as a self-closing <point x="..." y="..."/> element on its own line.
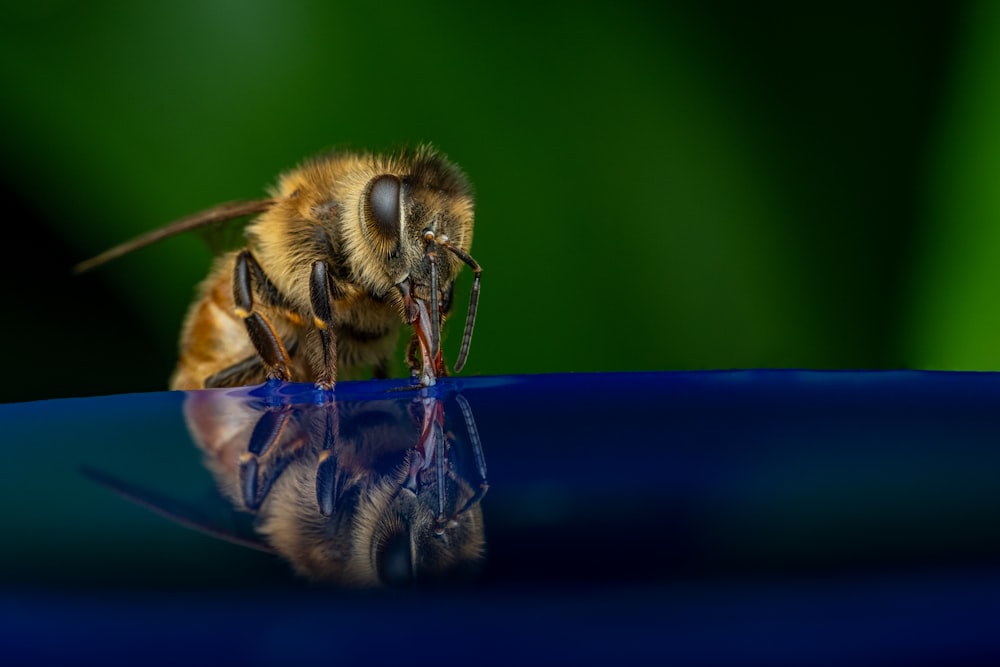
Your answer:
<point x="417" y="218"/>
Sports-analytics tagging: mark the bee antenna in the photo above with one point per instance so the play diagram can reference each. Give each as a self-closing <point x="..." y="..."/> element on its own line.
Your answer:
<point x="470" y="319"/>
<point x="477" y="452"/>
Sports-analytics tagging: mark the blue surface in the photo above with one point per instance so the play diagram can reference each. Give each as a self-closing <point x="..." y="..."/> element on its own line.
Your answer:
<point x="752" y="517"/>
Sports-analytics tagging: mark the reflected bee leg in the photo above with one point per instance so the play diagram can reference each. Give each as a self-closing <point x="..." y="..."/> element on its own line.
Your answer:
<point x="441" y="521"/>
<point x="431" y="449"/>
<point x="328" y="481"/>
<point x="264" y="461"/>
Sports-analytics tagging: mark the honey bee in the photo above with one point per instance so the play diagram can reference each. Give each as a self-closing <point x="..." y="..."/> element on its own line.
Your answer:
<point x="347" y="248"/>
<point x="358" y="493"/>
<point x="365" y="492"/>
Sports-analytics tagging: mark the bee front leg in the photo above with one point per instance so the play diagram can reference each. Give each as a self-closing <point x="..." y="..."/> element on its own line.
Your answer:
<point x="265" y="340"/>
<point x="266" y="433"/>
<point x="329" y="477"/>
<point x="321" y="290"/>
<point x="380" y="371"/>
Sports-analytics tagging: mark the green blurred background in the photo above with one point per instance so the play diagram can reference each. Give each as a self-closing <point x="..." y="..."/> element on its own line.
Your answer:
<point x="689" y="186"/>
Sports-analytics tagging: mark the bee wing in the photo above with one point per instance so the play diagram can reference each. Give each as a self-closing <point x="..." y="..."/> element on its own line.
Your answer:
<point x="206" y="218"/>
<point x="174" y="510"/>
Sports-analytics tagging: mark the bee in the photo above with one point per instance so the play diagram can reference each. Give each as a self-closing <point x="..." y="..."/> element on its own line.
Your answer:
<point x="347" y="248"/>
<point x="358" y="493"/>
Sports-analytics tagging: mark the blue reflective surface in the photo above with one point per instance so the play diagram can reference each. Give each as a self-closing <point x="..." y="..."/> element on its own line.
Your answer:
<point x="755" y="517"/>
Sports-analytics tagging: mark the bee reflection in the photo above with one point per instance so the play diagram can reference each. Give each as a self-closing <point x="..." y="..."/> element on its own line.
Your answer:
<point x="360" y="493"/>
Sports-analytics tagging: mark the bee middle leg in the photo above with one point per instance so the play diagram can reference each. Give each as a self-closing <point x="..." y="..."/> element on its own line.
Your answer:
<point x="241" y="373"/>
<point x="321" y="293"/>
<point x="268" y="454"/>
<point x="262" y="334"/>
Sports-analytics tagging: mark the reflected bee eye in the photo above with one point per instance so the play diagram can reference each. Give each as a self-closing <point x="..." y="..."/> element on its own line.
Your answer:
<point x="394" y="561"/>
<point x="382" y="212"/>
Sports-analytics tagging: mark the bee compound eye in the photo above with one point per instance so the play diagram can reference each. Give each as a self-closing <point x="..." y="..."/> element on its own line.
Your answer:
<point x="383" y="206"/>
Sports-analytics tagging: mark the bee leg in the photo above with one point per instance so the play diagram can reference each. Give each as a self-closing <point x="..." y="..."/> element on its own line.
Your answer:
<point x="266" y="432"/>
<point x="329" y="478"/>
<point x="431" y="446"/>
<point x="327" y="482"/>
<point x="265" y="340"/>
<point x="477" y="453"/>
<point x="381" y="370"/>
<point x="239" y="374"/>
<point x="321" y="290"/>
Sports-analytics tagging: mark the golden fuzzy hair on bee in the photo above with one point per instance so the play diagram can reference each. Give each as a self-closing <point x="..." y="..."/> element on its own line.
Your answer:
<point x="348" y="247"/>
